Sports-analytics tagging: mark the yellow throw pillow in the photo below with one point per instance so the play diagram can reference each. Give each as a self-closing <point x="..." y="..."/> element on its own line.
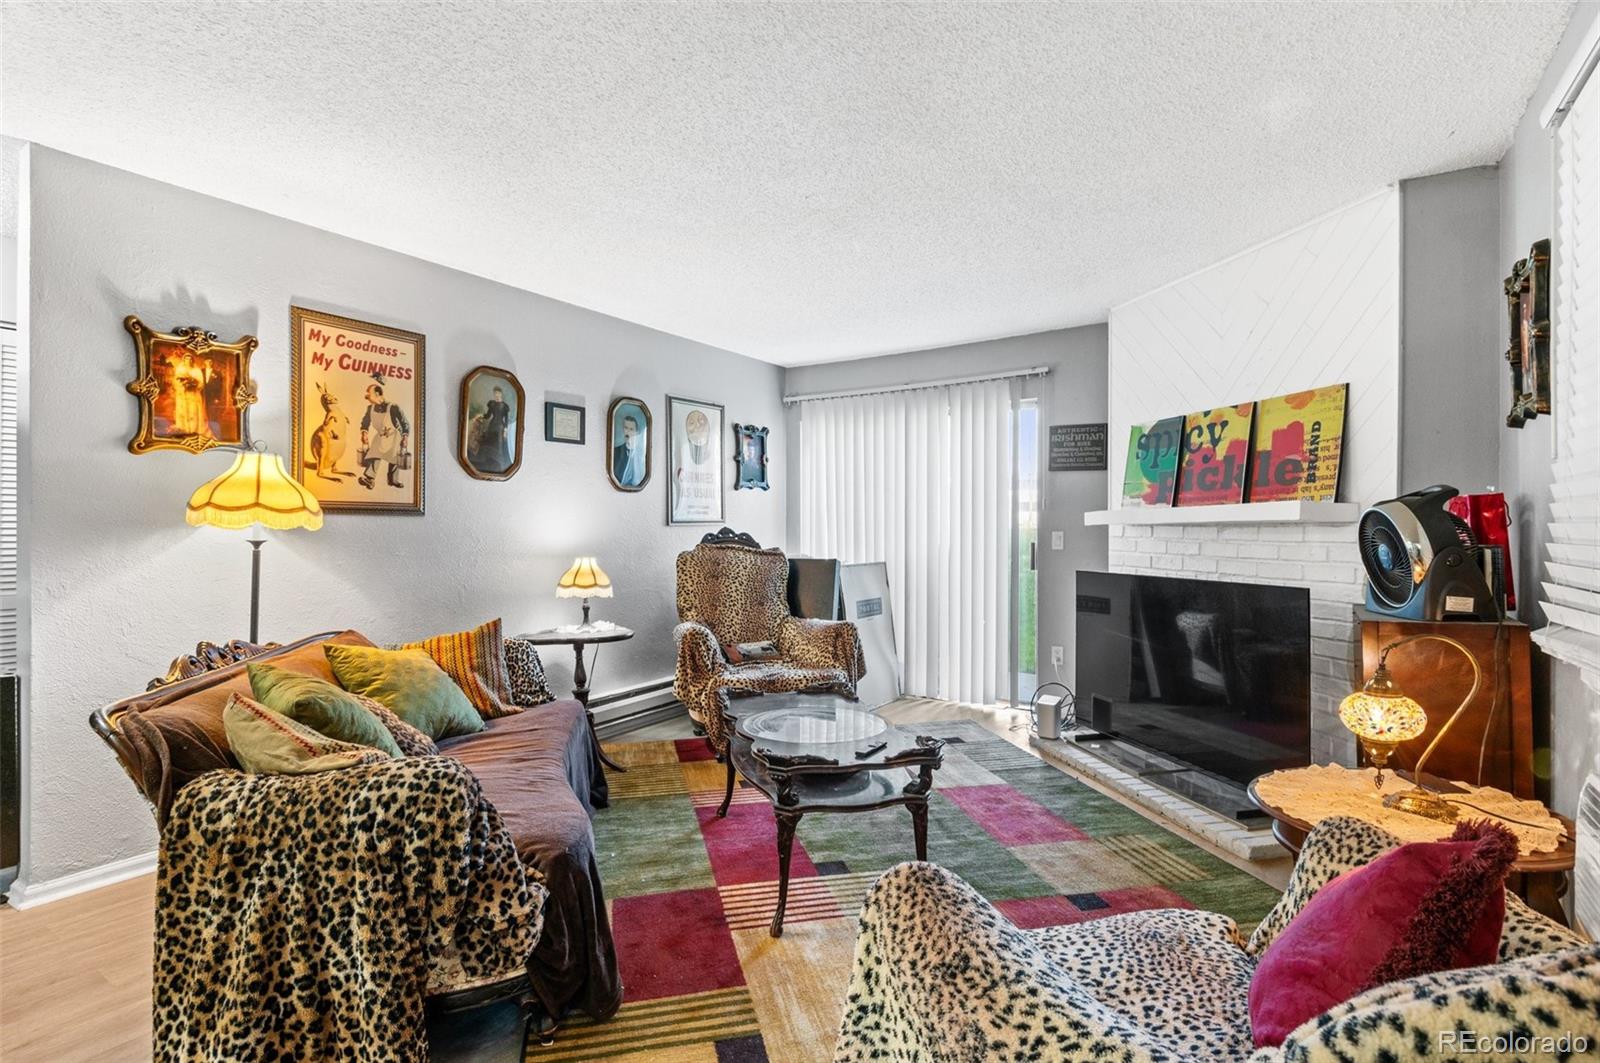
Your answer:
<point x="409" y="682"/>
<point x="476" y="660"/>
<point x="267" y="742"/>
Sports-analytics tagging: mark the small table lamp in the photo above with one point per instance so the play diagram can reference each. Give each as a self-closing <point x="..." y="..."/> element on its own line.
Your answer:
<point x="257" y="490"/>
<point x="1381" y="717"/>
<point x="585" y="579"/>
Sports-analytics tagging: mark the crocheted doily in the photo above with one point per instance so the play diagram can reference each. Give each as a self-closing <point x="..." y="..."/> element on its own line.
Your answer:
<point x="1315" y="793"/>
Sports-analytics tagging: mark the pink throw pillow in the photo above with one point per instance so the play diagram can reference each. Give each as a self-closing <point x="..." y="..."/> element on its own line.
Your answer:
<point x="1424" y="907"/>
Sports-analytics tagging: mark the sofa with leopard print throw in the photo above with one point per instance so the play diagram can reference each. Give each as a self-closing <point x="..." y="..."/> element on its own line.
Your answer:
<point x="732" y="593"/>
<point x="941" y="975"/>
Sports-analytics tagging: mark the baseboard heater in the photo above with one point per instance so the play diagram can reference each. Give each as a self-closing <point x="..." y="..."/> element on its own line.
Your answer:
<point x="634" y="707"/>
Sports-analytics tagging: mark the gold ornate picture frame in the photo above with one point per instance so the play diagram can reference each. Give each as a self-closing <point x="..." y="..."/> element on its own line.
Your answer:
<point x="194" y="393"/>
<point x="1528" y="306"/>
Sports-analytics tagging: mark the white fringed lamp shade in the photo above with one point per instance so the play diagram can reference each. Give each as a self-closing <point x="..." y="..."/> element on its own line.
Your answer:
<point x="585" y="579"/>
<point x="256" y="490"/>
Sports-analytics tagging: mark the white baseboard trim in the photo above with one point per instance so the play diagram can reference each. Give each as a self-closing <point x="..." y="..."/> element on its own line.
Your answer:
<point x="25" y="894"/>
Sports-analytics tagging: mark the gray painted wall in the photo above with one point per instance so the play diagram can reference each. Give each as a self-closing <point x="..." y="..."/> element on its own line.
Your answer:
<point x="1527" y="213"/>
<point x="1074" y="392"/>
<point x="121" y="584"/>
<point x="1451" y="318"/>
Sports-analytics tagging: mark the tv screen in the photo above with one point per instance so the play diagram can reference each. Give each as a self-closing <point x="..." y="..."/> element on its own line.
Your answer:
<point x="1217" y="675"/>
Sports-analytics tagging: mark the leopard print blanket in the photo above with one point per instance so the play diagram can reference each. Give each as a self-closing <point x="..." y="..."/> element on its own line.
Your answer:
<point x="941" y="976"/>
<point x="308" y="917"/>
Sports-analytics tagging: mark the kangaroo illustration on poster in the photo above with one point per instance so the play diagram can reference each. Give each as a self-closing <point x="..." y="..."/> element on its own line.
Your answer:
<point x="329" y="441"/>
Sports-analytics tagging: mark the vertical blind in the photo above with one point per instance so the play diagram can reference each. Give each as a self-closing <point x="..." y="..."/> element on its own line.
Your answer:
<point x="10" y="530"/>
<point x="921" y="480"/>
<point x="1572" y="554"/>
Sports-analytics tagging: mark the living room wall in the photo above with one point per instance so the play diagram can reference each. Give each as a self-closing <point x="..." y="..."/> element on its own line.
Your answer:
<point x="1074" y="392"/>
<point x="1527" y="213"/>
<point x="121" y="585"/>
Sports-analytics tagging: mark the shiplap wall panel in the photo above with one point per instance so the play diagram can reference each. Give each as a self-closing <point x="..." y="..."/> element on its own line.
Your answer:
<point x="1317" y="305"/>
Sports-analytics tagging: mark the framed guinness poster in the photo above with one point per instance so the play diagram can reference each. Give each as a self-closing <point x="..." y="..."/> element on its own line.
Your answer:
<point x="356" y="398"/>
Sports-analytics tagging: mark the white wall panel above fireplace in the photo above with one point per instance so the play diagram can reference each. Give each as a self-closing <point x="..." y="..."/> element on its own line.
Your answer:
<point x="1317" y="305"/>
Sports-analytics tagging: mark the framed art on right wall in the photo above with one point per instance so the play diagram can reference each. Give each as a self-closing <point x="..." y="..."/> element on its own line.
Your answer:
<point x="749" y="458"/>
<point x="694" y="445"/>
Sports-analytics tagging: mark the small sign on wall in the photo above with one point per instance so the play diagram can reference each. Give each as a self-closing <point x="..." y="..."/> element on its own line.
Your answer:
<point x="1078" y="447"/>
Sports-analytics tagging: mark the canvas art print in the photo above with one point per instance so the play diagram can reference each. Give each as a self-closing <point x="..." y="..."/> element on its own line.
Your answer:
<point x="629" y="443"/>
<point x="1299" y="440"/>
<point x="694" y="440"/>
<point x="356" y="396"/>
<point x="1216" y="451"/>
<point x="1151" y="473"/>
<point x="492" y="403"/>
<point x="194" y="392"/>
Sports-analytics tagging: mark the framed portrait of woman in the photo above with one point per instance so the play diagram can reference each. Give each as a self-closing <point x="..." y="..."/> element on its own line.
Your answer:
<point x="694" y="444"/>
<point x="490" y="441"/>
<point x="194" y="391"/>
<point x="629" y="442"/>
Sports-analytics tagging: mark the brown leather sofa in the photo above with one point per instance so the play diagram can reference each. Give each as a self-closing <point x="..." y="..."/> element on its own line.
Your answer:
<point x="540" y="768"/>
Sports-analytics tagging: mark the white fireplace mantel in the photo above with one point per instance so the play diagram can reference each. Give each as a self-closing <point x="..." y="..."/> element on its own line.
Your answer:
<point x="1290" y="511"/>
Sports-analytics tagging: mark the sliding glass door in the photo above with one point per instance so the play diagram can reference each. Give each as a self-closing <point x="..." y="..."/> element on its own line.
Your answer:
<point x="1026" y="569"/>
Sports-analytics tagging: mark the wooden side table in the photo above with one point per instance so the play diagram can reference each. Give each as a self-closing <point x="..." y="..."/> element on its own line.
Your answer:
<point x="579" y="636"/>
<point x="1538" y="878"/>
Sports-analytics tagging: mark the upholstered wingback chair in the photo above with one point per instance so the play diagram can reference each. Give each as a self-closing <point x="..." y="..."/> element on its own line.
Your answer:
<point x="731" y="592"/>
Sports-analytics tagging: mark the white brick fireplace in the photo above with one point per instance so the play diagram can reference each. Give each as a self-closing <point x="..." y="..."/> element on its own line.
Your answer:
<point x="1321" y="557"/>
<point x="1318" y="305"/>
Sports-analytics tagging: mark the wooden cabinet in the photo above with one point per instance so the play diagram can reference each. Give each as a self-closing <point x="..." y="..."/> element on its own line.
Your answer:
<point x="1496" y="732"/>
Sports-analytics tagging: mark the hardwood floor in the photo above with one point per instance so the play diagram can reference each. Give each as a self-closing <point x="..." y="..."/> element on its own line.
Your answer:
<point x="75" y="974"/>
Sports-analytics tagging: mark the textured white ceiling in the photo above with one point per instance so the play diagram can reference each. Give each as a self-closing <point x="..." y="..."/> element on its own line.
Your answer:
<point x="796" y="182"/>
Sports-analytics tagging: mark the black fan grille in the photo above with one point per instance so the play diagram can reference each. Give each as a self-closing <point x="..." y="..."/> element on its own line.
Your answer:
<point x="1386" y="558"/>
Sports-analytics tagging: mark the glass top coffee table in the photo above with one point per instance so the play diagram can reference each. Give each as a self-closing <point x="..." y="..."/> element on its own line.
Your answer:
<point x="822" y="753"/>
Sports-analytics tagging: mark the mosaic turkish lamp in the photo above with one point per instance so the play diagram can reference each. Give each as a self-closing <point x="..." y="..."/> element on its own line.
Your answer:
<point x="1381" y="718"/>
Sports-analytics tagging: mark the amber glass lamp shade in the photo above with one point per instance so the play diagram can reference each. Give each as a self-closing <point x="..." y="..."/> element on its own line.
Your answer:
<point x="585" y="579"/>
<point x="255" y="490"/>
<point x="1381" y="719"/>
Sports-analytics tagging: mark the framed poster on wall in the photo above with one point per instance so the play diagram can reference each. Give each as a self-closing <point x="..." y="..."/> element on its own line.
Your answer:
<point x="356" y="399"/>
<point x="694" y="442"/>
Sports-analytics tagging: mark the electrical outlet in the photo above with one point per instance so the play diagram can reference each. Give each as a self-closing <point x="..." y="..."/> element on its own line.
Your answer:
<point x="1058" y="540"/>
<point x="1058" y="656"/>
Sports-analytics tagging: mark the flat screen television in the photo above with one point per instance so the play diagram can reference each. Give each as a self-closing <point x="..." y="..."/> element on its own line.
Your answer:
<point x="1216" y="675"/>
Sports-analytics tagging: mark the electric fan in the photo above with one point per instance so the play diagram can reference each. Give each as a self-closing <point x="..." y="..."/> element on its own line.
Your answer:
<point x="1421" y="561"/>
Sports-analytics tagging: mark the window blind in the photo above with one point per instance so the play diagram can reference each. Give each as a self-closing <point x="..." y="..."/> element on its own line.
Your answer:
<point x="10" y="515"/>
<point x="1571" y="581"/>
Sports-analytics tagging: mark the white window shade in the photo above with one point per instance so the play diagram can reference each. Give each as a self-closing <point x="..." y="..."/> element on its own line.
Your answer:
<point x="10" y="514"/>
<point x="1571" y="582"/>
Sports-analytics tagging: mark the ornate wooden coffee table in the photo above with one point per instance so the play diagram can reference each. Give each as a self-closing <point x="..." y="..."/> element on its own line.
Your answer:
<point x="822" y="754"/>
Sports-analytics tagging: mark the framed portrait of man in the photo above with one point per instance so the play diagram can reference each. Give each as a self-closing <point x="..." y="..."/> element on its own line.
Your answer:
<point x="629" y="442"/>
<point x="356" y="396"/>
<point x="694" y="442"/>
<point x="194" y="391"/>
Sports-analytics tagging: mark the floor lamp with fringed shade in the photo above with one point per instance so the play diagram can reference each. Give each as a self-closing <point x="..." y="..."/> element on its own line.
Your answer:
<point x="255" y="492"/>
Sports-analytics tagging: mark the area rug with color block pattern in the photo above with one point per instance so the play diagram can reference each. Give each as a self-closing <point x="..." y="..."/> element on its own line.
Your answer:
<point x="691" y="895"/>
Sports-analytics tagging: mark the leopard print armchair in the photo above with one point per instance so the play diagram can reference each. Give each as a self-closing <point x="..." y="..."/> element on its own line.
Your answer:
<point x="941" y="975"/>
<point x="733" y="592"/>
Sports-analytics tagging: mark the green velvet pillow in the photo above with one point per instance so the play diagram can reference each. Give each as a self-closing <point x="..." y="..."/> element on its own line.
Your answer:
<point x="319" y="705"/>
<point x="411" y="684"/>
<point x="269" y="742"/>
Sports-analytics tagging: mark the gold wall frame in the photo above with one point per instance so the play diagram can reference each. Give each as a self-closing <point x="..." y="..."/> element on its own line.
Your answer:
<point x="1528" y="305"/>
<point x="194" y="393"/>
